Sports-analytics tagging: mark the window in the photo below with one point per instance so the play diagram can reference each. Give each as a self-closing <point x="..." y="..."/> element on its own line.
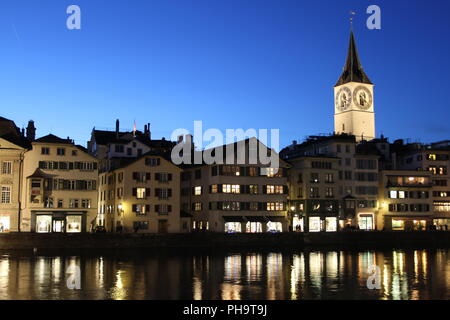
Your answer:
<point x="86" y="203"/>
<point x="253" y="171"/>
<point x="198" y="174"/>
<point x="6" y="194"/>
<point x="253" y="189"/>
<point x="329" y="178"/>
<point x="6" y="167"/>
<point x="197" y="190"/>
<point x="214" y="188"/>
<point x="274" y="189"/>
<point x="272" y="172"/>
<point x="61" y="151"/>
<point x="73" y="224"/>
<point x="329" y="192"/>
<point x="140" y="193"/>
<point x="73" y="203"/>
<point x="60" y="203"/>
<point x="314" y="224"/>
<point x="393" y="194"/>
<point x="231" y="188"/>
<point x="129" y="151"/>
<point x="330" y="224"/>
<point x="275" y="206"/>
<point x="231" y="171"/>
<point x="119" y="148"/>
<point x="152" y="162"/>
<point x="74" y="153"/>
<point x="314" y="192"/>
<point x="314" y="178"/>
<point x="45" y="151"/>
<point x="140" y="225"/>
<point x="140" y="209"/>
<point x="398" y="224"/>
<point x="197" y="206"/>
<point x="48" y="202"/>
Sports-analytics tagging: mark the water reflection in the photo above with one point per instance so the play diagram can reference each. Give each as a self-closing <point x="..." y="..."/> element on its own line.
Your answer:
<point x="404" y="274"/>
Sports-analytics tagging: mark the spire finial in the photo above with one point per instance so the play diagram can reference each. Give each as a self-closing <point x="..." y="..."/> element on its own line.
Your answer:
<point x="352" y="14"/>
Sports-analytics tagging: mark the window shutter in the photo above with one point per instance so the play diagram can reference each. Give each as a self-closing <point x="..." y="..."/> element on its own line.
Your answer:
<point x="147" y="208"/>
<point x="242" y="171"/>
<point x="285" y="189"/>
<point x="210" y="205"/>
<point x="210" y="188"/>
<point x="169" y="193"/>
<point x="193" y="206"/>
<point x="220" y="205"/>
<point x="260" y="206"/>
<point x="220" y="188"/>
<point x="148" y="176"/>
<point x="169" y="208"/>
<point x="134" y="192"/>
<point x="170" y="177"/>
<point x="193" y="190"/>
<point x="220" y="170"/>
<point x="147" y="192"/>
<point x="157" y="192"/>
<point x="264" y="189"/>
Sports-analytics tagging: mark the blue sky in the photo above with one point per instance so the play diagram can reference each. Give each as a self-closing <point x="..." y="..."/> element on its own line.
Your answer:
<point x="232" y="64"/>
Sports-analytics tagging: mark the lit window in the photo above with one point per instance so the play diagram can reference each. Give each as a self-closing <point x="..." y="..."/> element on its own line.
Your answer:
<point x="198" y="190"/>
<point x="393" y="194"/>
<point x="74" y="224"/>
<point x="140" y="193"/>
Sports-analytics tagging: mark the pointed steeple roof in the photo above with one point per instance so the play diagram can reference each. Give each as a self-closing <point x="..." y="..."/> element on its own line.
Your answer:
<point x="353" y="70"/>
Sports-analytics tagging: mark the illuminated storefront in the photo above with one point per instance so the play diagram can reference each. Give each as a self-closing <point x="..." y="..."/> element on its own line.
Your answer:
<point x="297" y="224"/>
<point x="254" y="227"/>
<point x="274" y="226"/>
<point x="365" y="222"/>
<point x="233" y="227"/>
<point x="59" y="222"/>
<point x="4" y="224"/>
<point x="315" y="224"/>
<point x="330" y="224"/>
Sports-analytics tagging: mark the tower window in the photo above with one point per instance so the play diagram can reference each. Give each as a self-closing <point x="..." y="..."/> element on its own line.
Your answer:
<point x="343" y="127"/>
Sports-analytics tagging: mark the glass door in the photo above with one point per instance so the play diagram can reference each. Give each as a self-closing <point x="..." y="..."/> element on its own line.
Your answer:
<point x="58" y="226"/>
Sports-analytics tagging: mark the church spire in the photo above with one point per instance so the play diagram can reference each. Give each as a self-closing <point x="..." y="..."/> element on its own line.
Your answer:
<point x="353" y="71"/>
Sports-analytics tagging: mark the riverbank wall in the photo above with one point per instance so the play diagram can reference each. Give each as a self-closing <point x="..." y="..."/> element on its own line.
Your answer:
<point x="381" y="239"/>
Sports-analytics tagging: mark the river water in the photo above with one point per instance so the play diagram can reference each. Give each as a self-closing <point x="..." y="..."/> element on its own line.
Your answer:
<point x="243" y="275"/>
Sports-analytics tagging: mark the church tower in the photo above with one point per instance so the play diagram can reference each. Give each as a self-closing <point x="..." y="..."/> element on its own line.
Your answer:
<point x="353" y="99"/>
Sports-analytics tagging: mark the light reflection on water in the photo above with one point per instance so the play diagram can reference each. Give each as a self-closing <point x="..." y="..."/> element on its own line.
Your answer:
<point x="404" y="274"/>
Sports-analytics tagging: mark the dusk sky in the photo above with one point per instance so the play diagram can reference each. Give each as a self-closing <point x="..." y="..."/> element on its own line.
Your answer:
<point x="232" y="64"/>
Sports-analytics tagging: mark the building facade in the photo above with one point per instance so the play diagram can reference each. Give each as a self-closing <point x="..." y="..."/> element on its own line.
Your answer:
<point x="142" y="196"/>
<point x="59" y="187"/>
<point x="237" y="196"/>
<point x="405" y="199"/>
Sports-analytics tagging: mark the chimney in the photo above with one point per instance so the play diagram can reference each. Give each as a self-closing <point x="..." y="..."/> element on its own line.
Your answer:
<point x="31" y="131"/>
<point x="145" y="131"/>
<point x="149" y="134"/>
<point x="117" y="128"/>
<point x="180" y="139"/>
<point x="22" y="133"/>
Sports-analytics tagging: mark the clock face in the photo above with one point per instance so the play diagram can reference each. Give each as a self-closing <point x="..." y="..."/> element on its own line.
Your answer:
<point x="362" y="97"/>
<point x="343" y="99"/>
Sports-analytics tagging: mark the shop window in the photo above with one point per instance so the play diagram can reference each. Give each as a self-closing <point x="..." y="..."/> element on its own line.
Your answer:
<point x="398" y="225"/>
<point x="297" y="224"/>
<point x="365" y="222"/>
<point x="233" y="227"/>
<point x="330" y="224"/>
<point x="43" y="224"/>
<point x="254" y="227"/>
<point x="4" y="224"/>
<point x="314" y="224"/>
<point x="73" y="224"/>
<point x="274" y="227"/>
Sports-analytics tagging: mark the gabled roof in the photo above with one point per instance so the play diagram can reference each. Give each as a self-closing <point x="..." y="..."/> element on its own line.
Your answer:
<point x="353" y="70"/>
<point x="38" y="174"/>
<point x="8" y="127"/>
<point x="106" y="137"/>
<point x="53" y="139"/>
<point x="17" y="140"/>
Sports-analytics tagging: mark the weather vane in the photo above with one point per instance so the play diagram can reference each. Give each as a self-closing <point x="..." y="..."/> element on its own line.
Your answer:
<point x="352" y="14"/>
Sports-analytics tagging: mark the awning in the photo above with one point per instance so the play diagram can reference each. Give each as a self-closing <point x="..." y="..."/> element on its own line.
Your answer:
<point x="276" y="219"/>
<point x="233" y="218"/>
<point x="256" y="218"/>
